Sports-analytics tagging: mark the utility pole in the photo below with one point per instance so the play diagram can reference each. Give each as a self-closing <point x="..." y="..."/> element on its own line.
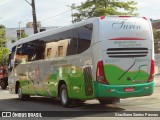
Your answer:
<point x="19" y="30"/>
<point x="34" y="16"/>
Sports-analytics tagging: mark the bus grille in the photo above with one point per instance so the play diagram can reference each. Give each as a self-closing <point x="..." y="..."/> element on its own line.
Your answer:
<point x="127" y="52"/>
<point x="88" y="81"/>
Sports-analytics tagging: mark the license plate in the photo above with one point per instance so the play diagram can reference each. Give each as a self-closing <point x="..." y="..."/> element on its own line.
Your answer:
<point x="129" y="89"/>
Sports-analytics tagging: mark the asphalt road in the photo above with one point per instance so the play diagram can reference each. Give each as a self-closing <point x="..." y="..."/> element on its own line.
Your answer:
<point x="10" y="102"/>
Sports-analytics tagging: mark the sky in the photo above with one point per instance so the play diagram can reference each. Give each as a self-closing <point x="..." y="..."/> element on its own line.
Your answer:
<point x="57" y="12"/>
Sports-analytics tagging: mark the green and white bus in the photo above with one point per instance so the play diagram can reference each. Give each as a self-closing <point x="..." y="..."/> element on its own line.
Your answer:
<point x="104" y="58"/>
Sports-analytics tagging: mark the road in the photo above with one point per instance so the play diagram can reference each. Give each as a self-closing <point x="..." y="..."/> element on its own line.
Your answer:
<point x="10" y="102"/>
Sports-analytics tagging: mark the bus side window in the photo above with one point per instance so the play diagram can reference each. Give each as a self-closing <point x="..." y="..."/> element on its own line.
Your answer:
<point x="84" y="37"/>
<point x="35" y="50"/>
<point x="80" y="39"/>
<point x="21" y="57"/>
<point x="69" y="42"/>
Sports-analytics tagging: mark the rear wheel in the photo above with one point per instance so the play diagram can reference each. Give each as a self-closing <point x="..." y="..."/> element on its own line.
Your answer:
<point x="65" y="101"/>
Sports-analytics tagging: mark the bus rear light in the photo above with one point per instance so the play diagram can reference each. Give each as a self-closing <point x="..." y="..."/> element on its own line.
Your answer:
<point x="102" y="17"/>
<point x="151" y="77"/>
<point x="145" y="18"/>
<point x="100" y="75"/>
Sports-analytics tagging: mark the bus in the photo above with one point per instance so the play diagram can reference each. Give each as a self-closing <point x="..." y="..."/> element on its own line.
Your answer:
<point x="105" y="58"/>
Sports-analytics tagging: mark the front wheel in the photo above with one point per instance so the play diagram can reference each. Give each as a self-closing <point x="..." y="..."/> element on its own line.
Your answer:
<point x="65" y="101"/>
<point x="22" y="96"/>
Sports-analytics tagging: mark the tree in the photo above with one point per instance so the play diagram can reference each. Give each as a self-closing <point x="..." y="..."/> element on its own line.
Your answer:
<point x="13" y="41"/>
<point x="156" y="34"/>
<point x="97" y="8"/>
<point x="3" y="49"/>
<point x="2" y="27"/>
<point x="2" y="35"/>
<point x="24" y="35"/>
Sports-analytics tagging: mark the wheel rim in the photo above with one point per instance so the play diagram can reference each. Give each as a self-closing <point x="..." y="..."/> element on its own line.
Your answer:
<point x="64" y="96"/>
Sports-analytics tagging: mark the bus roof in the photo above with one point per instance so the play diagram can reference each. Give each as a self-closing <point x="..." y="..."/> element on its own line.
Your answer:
<point x="61" y="29"/>
<point x="54" y="31"/>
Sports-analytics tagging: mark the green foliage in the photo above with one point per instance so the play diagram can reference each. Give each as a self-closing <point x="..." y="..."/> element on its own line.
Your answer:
<point x="2" y="35"/>
<point x="2" y="27"/>
<point x="13" y="41"/>
<point x="156" y="40"/>
<point x="97" y="8"/>
<point x="23" y="36"/>
<point x="3" y="52"/>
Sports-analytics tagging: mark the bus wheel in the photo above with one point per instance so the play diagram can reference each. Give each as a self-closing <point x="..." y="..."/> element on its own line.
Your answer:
<point x="64" y="95"/>
<point x="109" y="101"/>
<point x="22" y="96"/>
<point x="3" y="84"/>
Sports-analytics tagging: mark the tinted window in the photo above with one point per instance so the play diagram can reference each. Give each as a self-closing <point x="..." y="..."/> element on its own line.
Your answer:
<point x="70" y="42"/>
<point x="31" y="51"/>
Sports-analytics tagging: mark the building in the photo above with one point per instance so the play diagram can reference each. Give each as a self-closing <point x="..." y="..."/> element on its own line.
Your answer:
<point x="156" y="28"/>
<point x="14" y="34"/>
<point x="30" y="25"/>
<point x="156" y="24"/>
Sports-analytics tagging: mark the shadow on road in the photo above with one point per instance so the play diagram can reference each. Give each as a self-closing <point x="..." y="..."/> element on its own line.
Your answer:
<point x="54" y="108"/>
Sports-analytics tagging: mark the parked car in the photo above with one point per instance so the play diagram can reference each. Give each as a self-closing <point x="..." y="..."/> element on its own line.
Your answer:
<point x="4" y="71"/>
<point x="3" y="77"/>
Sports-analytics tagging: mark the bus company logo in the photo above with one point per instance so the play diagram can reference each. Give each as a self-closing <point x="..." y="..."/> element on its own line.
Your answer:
<point x="124" y="26"/>
<point x="6" y="114"/>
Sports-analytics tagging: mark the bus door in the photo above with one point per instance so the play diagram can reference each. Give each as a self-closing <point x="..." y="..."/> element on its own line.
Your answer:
<point x="21" y="69"/>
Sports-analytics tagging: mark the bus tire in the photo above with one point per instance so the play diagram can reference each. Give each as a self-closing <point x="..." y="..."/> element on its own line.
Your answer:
<point x="109" y="101"/>
<point x="3" y="84"/>
<point x="22" y="96"/>
<point x="65" y="101"/>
